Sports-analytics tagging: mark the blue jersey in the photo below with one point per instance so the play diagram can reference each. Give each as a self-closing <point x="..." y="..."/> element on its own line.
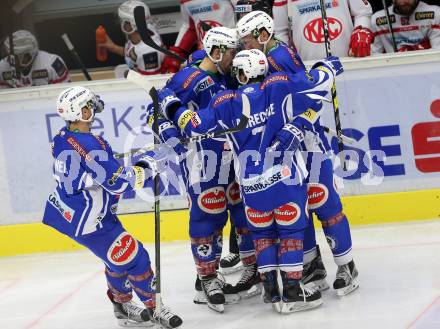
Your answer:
<point x="273" y="103"/>
<point x="89" y="182"/>
<point x="282" y="58"/>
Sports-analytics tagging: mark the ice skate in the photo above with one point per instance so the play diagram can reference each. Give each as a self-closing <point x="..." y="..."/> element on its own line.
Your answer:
<point x="314" y="273"/>
<point x="165" y="317"/>
<point x="249" y="284"/>
<point x="297" y="297"/>
<point x="271" y="290"/>
<point x="231" y="263"/>
<point x="212" y="288"/>
<point x="230" y="296"/>
<point x="129" y="314"/>
<point x="346" y="279"/>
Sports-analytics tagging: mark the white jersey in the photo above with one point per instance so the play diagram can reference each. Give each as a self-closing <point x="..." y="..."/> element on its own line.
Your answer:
<point x="307" y="28"/>
<point x="46" y="69"/>
<point x="421" y="28"/>
<point x="212" y="12"/>
<point x="143" y="58"/>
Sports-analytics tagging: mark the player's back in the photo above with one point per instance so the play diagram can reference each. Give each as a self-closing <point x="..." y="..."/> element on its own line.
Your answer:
<point x="282" y="58"/>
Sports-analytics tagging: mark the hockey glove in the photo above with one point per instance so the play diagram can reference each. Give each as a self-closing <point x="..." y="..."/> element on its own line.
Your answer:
<point x="360" y="42"/>
<point x="425" y="44"/>
<point x="168" y="103"/>
<point x="152" y="160"/>
<point x="332" y="63"/>
<point x="287" y="139"/>
<point x="169" y="135"/>
<point x="171" y="64"/>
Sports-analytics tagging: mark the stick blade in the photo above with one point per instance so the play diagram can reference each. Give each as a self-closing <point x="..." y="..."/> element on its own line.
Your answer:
<point x="139" y="80"/>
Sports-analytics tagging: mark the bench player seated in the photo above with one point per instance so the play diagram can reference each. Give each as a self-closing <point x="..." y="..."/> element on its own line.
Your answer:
<point x="30" y="66"/>
<point x="84" y="203"/>
<point x="271" y="169"/>
<point x="138" y="56"/>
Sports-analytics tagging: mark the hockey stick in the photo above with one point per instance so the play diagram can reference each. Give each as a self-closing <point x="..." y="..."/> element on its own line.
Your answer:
<point x="139" y="18"/>
<point x="334" y="93"/>
<point x="75" y="56"/>
<point x="390" y="25"/>
<point x="155" y="98"/>
<point x="143" y="82"/>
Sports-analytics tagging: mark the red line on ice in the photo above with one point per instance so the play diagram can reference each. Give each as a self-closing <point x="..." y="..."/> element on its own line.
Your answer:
<point x="8" y="286"/>
<point x="424" y="312"/>
<point x="62" y="300"/>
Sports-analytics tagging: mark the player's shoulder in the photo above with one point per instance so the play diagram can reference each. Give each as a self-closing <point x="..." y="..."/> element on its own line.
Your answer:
<point x="276" y="79"/>
<point x="224" y="96"/>
<point x="82" y="143"/>
<point x="425" y="12"/>
<point x="379" y="18"/>
<point x="188" y="77"/>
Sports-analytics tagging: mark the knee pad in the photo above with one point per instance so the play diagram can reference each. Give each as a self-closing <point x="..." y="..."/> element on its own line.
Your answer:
<point x="203" y="251"/>
<point x="245" y="246"/>
<point x="337" y="233"/>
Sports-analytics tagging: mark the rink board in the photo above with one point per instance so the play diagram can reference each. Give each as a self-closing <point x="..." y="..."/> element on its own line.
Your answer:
<point x="361" y="210"/>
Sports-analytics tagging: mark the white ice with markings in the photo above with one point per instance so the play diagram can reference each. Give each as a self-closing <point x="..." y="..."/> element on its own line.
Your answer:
<point x="399" y="274"/>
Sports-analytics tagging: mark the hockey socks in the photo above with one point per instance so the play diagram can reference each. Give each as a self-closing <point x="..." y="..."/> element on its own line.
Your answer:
<point x="337" y="233"/>
<point x="204" y="254"/>
<point x="118" y="286"/>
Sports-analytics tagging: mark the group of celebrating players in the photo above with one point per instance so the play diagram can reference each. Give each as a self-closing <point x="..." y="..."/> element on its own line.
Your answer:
<point x="267" y="177"/>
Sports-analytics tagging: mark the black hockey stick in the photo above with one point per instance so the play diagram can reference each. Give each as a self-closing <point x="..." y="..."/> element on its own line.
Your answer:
<point x="144" y="83"/>
<point x="246" y="111"/>
<point x="156" y="191"/>
<point x="390" y="25"/>
<point x="139" y="18"/>
<point x="75" y="56"/>
<point x="335" y="100"/>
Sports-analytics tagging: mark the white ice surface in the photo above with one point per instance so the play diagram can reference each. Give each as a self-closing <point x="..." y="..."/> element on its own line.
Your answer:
<point x="399" y="274"/>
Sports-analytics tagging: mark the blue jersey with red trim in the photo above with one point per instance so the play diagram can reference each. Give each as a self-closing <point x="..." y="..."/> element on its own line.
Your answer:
<point x="282" y="58"/>
<point x="279" y="99"/>
<point x="89" y="182"/>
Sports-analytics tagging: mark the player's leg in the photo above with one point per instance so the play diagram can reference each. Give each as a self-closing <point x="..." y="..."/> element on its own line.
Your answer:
<point x="265" y="237"/>
<point x="291" y="220"/>
<point x="314" y="272"/>
<point x="231" y="263"/>
<point x="249" y="283"/>
<point x="128" y="264"/>
<point x="336" y="229"/>
<point x="207" y="215"/>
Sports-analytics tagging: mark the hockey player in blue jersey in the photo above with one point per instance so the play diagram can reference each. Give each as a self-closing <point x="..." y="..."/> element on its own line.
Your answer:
<point x="84" y="203"/>
<point x="255" y="29"/>
<point x="212" y="189"/>
<point x="271" y="170"/>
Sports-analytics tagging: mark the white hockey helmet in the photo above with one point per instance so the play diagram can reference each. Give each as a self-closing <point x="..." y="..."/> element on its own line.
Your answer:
<point x="126" y="15"/>
<point x="253" y="23"/>
<point x="71" y="101"/>
<point x="25" y="47"/>
<point x="253" y="64"/>
<point x="222" y="37"/>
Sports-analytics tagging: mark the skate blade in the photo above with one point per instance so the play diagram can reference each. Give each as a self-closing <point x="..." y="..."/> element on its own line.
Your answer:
<point x="133" y="324"/>
<point x="232" y="299"/>
<point x="230" y="270"/>
<point x="300" y="306"/>
<point x="255" y="290"/>
<point x="199" y="298"/>
<point x="276" y="307"/>
<point x="320" y="285"/>
<point x="346" y="290"/>
<point x="220" y="308"/>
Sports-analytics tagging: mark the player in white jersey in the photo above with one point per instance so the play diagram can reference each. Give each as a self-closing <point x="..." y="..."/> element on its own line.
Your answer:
<point x="197" y="16"/>
<point x="35" y="67"/>
<point x="416" y="26"/>
<point x="349" y="27"/>
<point x="138" y="56"/>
